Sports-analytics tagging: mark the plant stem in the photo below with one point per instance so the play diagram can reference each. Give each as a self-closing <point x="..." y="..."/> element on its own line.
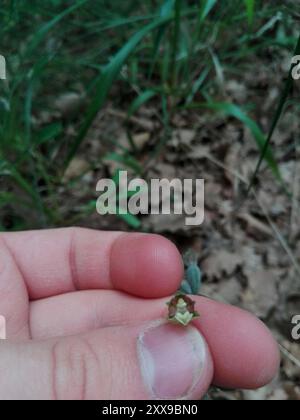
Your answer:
<point x="175" y="42"/>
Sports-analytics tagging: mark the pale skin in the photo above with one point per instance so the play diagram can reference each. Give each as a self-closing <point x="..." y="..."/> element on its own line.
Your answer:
<point x="75" y="301"/>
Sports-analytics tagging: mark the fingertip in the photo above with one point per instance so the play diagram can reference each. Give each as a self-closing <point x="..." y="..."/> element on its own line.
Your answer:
<point x="146" y="265"/>
<point x="245" y="354"/>
<point x="261" y="354"/>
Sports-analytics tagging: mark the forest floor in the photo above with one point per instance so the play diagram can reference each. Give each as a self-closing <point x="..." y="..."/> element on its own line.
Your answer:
<point x="223" y="53"/>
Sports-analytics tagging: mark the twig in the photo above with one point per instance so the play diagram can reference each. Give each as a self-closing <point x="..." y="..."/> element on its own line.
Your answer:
<point x="295" y="200"/>
<point x="275" y="229"/>
<point x="289" y="355"/>
<point x="279" y="236"/>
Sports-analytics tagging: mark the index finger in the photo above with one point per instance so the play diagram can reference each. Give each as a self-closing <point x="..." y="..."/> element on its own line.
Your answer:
<point x="59" y="261"/>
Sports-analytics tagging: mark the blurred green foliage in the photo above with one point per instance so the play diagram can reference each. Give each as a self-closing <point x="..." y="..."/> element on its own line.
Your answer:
<point x="174" y="52"/>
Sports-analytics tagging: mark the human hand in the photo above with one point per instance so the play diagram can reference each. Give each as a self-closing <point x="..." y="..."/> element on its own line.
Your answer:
<point x="85" y="312"/>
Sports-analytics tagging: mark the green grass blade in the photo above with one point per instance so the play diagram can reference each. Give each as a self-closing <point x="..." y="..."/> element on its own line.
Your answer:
<point x="131" y="220"/>
<point x="48" y="133"/>
<point x="175" y="41"/>
<point x="143" y="98"/>
<point x="107" y="78"/>
<point x="234" y="111"/>
<point x="165" y="10"/>
<point x="206" y="8"/>
<point x="43" y="31"/>
<point x="197" y="85"/>
<point x="250" y="7"/>
<point x="127" y="160"/>
<point x="13" y="173"/>
<point x="284" y="97"/>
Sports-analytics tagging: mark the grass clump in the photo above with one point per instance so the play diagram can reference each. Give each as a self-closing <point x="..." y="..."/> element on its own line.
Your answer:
<point x="175" y="54"/>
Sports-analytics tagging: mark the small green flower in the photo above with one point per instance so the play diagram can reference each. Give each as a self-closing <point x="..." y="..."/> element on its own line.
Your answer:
<point x="182" y="310"/>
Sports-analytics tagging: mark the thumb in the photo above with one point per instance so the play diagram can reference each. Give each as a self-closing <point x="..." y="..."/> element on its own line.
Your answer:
<point x="154" y="361"/>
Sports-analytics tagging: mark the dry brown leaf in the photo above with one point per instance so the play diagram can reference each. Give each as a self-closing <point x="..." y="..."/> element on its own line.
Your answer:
<point x="230" y="290"/>
<point x="182" y="137"/>
<point x="69" y="103"/>
<point x="255" y="227"/>
<point x="261" y="295"/>
<point x="278" y="395"/>
<point x="140" y="140"/>
<point x="236" y="90"/>
<point x="221" y="263"/>
<point x="291" y="370"/>
<point x="76" y="168"/>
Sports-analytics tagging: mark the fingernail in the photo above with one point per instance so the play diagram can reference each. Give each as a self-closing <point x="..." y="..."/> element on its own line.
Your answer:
<point x="172" y="360"/>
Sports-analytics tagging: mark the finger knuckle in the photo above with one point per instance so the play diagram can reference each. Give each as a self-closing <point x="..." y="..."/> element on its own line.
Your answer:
<point x="76" y="370"/>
